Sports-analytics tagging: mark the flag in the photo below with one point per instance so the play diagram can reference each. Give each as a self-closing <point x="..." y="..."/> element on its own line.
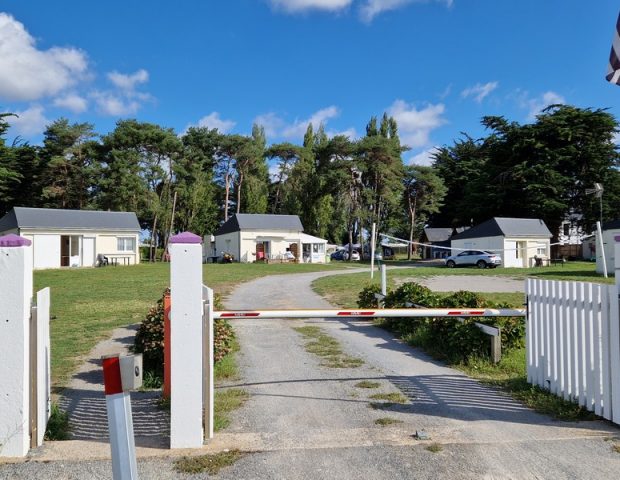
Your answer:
<point x="613" y="71"/>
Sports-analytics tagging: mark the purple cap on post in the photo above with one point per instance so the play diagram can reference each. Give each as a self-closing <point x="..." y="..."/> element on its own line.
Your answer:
<point x="186" y="237"/>
<point x="12" y="240"/>
<point x="617" y="238"/>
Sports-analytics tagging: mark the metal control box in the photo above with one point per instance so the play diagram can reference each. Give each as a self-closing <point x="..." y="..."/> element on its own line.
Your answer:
<point x="131" y="372"/>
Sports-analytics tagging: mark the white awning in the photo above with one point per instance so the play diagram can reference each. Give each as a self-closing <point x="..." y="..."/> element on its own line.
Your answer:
<point x="305" y="238"/>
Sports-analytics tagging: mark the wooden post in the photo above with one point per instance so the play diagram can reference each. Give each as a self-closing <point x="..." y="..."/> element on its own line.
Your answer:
<point x="186" y="356"/>
<point x="16" y="300"/>
<point x="496" y="347"/>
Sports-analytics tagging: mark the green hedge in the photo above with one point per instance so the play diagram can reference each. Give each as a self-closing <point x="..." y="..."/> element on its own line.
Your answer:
<point x="445" y="337"/>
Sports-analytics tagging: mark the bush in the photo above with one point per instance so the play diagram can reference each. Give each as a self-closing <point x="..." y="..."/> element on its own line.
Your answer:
<point x="149" y="339"/>
<point x="447" y="337"/>
<point x="410" y="293"/>
<point x="366" y="298"/>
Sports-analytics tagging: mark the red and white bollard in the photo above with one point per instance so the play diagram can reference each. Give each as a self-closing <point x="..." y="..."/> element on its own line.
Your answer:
<point x="121" y="374"/>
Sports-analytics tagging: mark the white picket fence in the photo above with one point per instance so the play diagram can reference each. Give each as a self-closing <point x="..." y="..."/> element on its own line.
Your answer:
<point x="573" y="343"/>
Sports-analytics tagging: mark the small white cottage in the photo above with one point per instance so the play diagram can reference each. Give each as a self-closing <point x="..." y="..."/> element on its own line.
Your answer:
<point x="75" y="238"/>
<point x="261" y="237"/>
<point x="516" y="240"/>
<point x="611" y="230"/>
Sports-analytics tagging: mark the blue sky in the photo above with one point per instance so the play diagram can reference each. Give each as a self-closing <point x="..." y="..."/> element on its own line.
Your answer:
<point x="437" y="66"/>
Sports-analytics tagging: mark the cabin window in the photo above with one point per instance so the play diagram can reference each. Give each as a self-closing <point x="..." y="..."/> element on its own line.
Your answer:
<point x="126" y="244"/>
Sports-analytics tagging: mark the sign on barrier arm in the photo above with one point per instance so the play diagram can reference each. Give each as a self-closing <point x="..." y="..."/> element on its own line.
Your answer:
<point x="372" y="313"/>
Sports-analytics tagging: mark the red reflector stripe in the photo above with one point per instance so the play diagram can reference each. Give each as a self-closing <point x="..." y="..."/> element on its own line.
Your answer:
<point x="239" y="314"/>
<point x="354" y="314"/>
<point x="112" y="375"/>
<point x="455" y="313"/>
<point x="477" y="312"/>
<point x="467" y="312"/>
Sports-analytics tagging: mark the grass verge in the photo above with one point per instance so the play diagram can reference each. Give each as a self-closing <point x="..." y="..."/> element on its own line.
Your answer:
<point x="394" y="397"/>
<point x="385" y="421"/>
<point x="57" y="425"/>
<point x="328" y="348"/>
<point x="509" y="375"/>
<point x="434" y="447"/>
<point x="367" y="384"/>
<point x="210" y="464"/>
<point x="225" y="402"/>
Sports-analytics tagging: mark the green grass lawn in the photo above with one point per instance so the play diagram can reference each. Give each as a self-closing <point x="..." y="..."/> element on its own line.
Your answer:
<point x="344" y="294"/>
<point x="87" y="304"/>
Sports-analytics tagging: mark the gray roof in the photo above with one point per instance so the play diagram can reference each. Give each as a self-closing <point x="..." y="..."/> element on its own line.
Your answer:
<point x="507" y="227"/>
<point x="611" y="225"/>
<point x="257" y="221"/>
<point x="438" y="234"/>
<point x="53" y="219"/>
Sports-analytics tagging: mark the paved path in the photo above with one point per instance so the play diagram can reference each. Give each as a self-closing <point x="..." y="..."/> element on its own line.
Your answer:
<point x="84" y="400"/>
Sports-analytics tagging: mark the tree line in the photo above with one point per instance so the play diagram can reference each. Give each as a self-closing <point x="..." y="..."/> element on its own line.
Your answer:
<point x="337" y="186"/>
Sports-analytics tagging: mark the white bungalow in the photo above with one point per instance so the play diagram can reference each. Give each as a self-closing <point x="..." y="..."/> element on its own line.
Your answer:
<point x="611" y="230"/>
<point x="516" y="240"/>
<point x="260" y="237"/>
<point x="75" y="238"/>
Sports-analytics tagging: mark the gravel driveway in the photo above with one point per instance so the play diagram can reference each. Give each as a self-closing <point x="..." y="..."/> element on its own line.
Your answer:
<point x="306" y="421"/>
<point x="474" y="283"/>
<point x="312" y="422"/>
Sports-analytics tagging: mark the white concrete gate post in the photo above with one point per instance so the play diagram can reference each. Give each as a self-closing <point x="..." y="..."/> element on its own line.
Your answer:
<point x="15" y="302"/>
<point x="186" y="376"/>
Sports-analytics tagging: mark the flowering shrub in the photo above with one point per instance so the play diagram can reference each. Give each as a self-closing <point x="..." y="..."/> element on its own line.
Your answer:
<point x="149" y="339"/>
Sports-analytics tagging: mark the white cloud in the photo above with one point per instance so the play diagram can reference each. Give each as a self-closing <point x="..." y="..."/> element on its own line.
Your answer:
<point x="124" y="99"/>
<point x="274" y="170"/>
<point x="213" y="120"/>
<point x="479" y="91"/>
<point x="349" y="132"/>
<point x="424" y="157"/>
<point x="298" y="128"/>
<point x="27" y="73"/>
<point x="271" y="122"/>
<point x="372" y="8"/>
<point x="128" y="82"/>
<point x="535" y="105"/>
<point x="415" y="126"/>
<point x="295" y="6"/>
<point x="115" y="105"/>
<point x="29" y="122"/>
<point x="73" y="102"/>
<point x="616" y="138"/>
<point x="446" y="93"/>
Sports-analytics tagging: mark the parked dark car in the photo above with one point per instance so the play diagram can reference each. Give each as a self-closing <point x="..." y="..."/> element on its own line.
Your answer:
<point x="344" y="255"/>
<point x="479" y="258"/>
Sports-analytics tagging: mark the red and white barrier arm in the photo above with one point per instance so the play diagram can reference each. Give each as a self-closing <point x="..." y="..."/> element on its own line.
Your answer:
<point x="374" y="313"/>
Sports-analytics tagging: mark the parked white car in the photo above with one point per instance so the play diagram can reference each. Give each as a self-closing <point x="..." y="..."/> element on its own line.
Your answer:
<point x="355" y="256"/>
<point x="479" y="258"/>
